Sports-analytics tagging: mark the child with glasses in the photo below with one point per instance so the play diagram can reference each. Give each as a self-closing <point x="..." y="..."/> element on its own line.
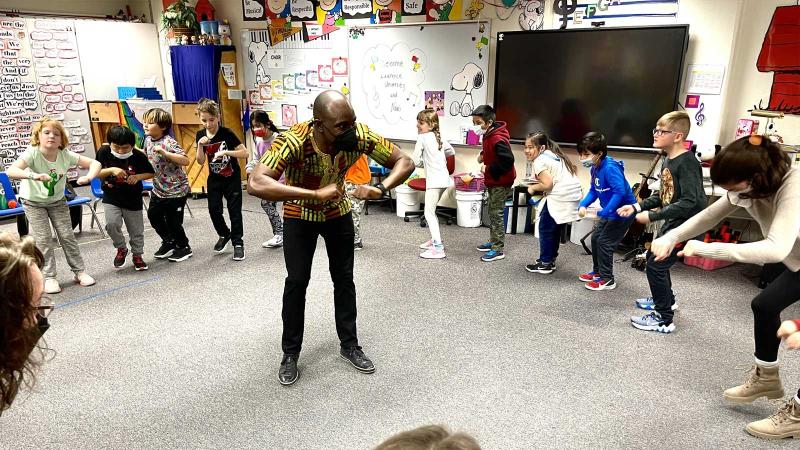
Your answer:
<point x="680" y="197"/>
<point x="759" y="177"/>
<point x="608" y="184"/>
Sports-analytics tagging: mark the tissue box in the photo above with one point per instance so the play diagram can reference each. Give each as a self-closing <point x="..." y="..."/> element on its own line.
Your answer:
<point x="746" y="127"/>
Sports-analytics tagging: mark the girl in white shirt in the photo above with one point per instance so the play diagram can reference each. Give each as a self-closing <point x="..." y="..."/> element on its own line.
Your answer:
<point x="759" y="178"/>
<point x="431" y="152"/>
<point x="556" y="176"/>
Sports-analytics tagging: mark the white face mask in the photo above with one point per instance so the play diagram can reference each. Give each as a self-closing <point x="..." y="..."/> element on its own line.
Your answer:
<point x="121" y="155"/>
<point x="478" y="130"/>
<point x="588" y="163"/>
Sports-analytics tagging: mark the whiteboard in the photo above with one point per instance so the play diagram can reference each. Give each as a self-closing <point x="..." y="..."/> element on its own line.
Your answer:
<point x="114" y="53"/>
<point x="395" y="68"/>
<point x="283" y="79"/>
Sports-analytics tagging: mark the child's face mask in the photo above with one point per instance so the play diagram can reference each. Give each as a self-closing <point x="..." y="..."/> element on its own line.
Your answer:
<point x="588" y="162"/>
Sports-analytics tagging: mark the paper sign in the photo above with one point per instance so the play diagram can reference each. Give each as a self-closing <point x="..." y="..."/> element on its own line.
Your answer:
<point x="229" y="73"/>
<point x="705" y="79"/>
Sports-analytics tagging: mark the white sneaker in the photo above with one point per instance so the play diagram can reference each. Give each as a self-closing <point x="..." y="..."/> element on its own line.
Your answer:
<point x="84" y="279"/>
<point x="51" y="286"/>
<point x="426" y="245"/>
<point x="433" y="253"/>
<point x="275" y="242"/>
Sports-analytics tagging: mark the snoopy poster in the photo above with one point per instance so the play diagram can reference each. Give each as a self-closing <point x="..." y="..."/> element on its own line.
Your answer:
<point x="470" y="78"/>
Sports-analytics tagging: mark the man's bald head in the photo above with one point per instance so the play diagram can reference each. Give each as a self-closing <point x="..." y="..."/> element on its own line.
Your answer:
<point x="332" y="106"/>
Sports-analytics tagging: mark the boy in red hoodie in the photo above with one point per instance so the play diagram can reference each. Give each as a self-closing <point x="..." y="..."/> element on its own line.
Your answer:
<point x="499" y="173"/>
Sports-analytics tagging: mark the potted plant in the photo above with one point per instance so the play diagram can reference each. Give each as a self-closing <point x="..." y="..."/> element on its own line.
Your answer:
<point x="180" y="20"/>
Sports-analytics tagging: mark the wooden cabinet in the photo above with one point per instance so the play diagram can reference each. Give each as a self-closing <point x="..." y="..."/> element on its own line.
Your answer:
<point x="185" y="125"/>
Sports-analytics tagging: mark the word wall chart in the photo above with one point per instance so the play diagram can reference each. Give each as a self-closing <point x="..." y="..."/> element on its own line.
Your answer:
<point x="41" y="78"/>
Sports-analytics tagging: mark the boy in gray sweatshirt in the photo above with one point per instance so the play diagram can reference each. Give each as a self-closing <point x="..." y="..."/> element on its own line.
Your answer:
<point x="681" y="196"/>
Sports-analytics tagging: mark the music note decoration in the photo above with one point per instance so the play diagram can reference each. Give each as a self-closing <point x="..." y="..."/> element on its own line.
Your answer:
<point x="700" y="117"/>
<point x="564" y="8"/>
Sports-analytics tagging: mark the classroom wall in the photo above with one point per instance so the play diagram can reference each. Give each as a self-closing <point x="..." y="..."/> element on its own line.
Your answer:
<point x="78" y="7"/>
<point x="748" y="85"/>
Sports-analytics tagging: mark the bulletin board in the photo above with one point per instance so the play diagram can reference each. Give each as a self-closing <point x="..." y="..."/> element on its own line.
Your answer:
<point x="398" y="70"/>
<point x="41" y="77"/>
<point x="389" y="72"/>
<point x="114" y="54"/>
<point x="283" y="79"/>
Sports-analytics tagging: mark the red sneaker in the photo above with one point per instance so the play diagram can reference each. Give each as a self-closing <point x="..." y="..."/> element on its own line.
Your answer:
<point x="600" y="285"/>
<point x="590" y="276"/>
<point x="119" y="260"/>
<point x="138" y="263"/>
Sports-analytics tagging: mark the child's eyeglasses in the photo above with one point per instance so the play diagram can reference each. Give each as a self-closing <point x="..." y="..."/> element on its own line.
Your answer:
<point x="657" y="132"/>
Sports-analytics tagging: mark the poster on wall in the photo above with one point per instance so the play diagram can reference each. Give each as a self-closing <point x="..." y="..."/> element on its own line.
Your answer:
<point x="414" y="8"/>
<point x="329" y="13"/>
<point x="356" y="9"/>
<point x="444" y="10"/>
<point x="253" y="10"/>
<point x="302" y="10"/>
<point x="54" y="53"/>
<point x="386" y="11"/>
<point x="19" y="99"/>
<point x="614" y="13"/>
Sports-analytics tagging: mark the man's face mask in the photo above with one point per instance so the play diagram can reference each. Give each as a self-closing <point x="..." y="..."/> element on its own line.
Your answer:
<point x="347" y="141"/>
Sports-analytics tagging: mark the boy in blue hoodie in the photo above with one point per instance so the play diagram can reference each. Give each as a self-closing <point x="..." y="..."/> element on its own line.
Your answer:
<point x="608" y="183"/>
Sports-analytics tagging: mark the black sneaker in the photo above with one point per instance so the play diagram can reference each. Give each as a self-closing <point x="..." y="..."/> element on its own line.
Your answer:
<point x="288" y="372"/>
<point x="357" y="358"/>
<point x="165" y="250"/>
<point x="238" y="253"/>
<point x="181" y="254"/>
<point x="119" y="260"/>
<point x="540" y="267"/>
<point x="358" y="246"/>
<point x="222" y="244"/>
<point x="138" y="263"/>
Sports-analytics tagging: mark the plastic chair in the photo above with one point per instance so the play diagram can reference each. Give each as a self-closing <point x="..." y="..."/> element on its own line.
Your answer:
<point x="8" y="189"/>
<point x="79" y="201"/>
<point x="418" y="184"/>
<point x="380" y="173"/>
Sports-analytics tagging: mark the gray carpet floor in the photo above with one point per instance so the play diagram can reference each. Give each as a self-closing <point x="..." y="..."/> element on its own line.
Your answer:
<point x="185" y="355"/>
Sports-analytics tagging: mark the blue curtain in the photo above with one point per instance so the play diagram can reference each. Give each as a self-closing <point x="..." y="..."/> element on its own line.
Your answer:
<point x="195" y="71"/>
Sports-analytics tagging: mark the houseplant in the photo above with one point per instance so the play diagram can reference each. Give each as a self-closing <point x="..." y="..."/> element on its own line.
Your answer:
<point x="180" y="20"/>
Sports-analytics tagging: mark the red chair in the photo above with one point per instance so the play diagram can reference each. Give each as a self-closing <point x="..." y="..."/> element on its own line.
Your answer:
<point x="418" y="184"/>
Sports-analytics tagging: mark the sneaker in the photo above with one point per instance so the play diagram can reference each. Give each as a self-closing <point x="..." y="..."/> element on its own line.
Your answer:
<point x="434" y="252"/>
<point x="222" y="244"/>
<point x="589" y="276"/>
<point x="288" y="372"/>
<point x="119" y="260"/>
<point x="784" y="423"/>
<point x="650" y="305"/>
<point x="652" y="322"/>
<point x="275" y="242"/>
<point x="181" y="254"/>
<point x="51" y="286"/>
<point x="165" y="250"/>
<point x="485" y="247"/>
<point x="492" y="255"/>
<point x="358" y="246"/>
<point x="357" y="358"/>
<point x="238" y="252"/>
<point x="762" y="382"/>
<point x="84" y="279"/>
<point x="426" y="245"/>
<point x="138" y="263"/>
<point x="600" y="285"/>
<point x="540" y="267"/>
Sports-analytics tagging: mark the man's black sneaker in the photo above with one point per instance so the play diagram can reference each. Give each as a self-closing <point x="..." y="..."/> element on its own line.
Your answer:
<point x="222" y="244"/>
<point x="288" y="372"/>
<point x="358" y="246"/>
<point x="181" y="254"/>
<point x="165" y="250"/>
<point x="119" y="260"/>
<point x="540" y="267"/>
<point x="238" y="252"/>
<point x="357" y="358"/>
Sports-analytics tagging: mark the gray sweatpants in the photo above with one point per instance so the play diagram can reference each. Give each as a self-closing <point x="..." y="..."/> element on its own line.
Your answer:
<point x="134" y="222"/>
<point x="40" y="216"/>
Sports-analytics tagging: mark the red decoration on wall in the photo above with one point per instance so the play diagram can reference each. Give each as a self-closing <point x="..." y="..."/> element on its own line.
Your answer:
<point x="780" y="53"/>
<point x="204" y="10"/>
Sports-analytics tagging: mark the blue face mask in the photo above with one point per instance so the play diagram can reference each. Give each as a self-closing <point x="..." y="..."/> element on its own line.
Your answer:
<point x="588" y="163"/>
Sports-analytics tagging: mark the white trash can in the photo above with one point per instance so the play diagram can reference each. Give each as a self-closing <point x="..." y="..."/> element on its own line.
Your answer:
<point x="468" y="206"/>
<point x="407" y="200"/>
<point x="581" y="228"/>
